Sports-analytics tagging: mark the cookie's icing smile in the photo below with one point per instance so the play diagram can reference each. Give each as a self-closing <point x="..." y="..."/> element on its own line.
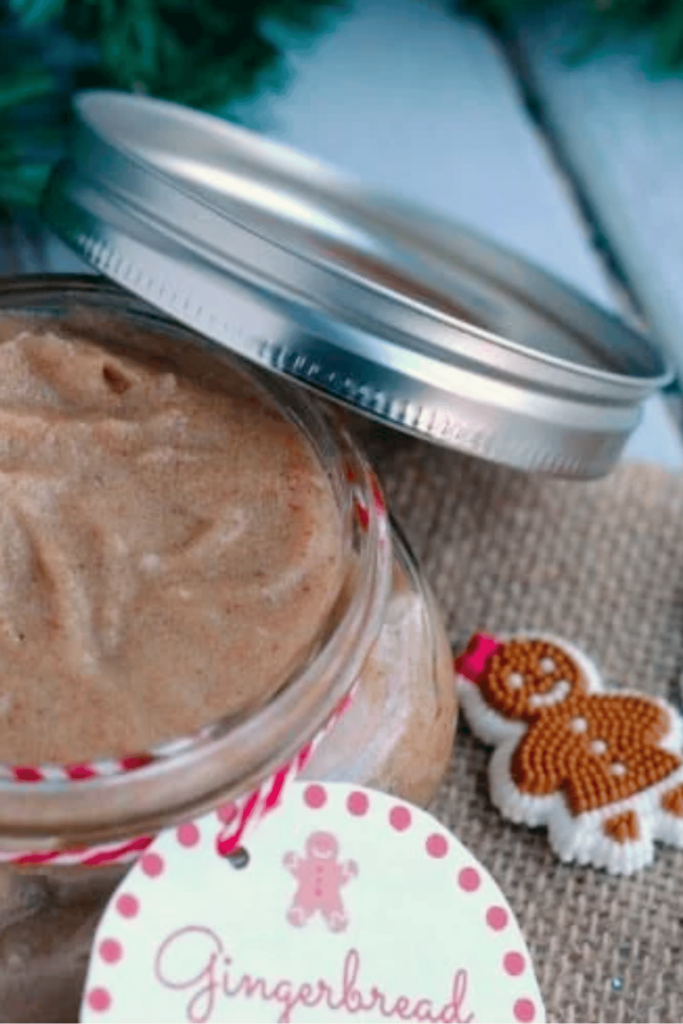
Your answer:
<point x="556" y="695"/>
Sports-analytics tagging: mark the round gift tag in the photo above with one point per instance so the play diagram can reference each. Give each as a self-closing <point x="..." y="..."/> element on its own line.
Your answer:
<point x="349" y="905"/>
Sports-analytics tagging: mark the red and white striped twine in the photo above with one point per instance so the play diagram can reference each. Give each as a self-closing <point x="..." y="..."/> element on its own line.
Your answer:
<point x="241" y="816"/>
<point x="238" y="817"/>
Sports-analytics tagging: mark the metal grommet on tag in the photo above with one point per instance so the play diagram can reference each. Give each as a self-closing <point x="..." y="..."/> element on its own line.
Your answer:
<point x="238" y="858"/>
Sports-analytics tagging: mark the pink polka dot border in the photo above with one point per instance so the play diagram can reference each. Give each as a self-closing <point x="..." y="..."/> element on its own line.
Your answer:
<point x="524" y="1011"/>
<point x="514" y="964"/>
<point x="436" y="845"/>
<point x="188" y="835"/>
<point x="128" y="905"/>
<point x="400" y="818"/>
<point x="469" y="879"/>
<point x="99" y="999"/>
<point x="152" y="865"/>
<point x="497" y="918"/>
<point x="357" y="803"/>
<point x="110" y="950"/>
<point x="315" y="796"/>
<point x="226" y="813"/>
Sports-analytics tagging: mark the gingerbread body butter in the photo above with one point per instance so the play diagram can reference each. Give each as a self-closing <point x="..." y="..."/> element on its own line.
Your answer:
<point x="171" y="552"/>
<point x="197" y="569"/>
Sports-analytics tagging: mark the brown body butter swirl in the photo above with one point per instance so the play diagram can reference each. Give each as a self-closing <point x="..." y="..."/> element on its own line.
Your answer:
<point x="169" y="550"/>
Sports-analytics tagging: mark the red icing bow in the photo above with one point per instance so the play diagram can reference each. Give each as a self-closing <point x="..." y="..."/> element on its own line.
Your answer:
<point x="474" y="661"/>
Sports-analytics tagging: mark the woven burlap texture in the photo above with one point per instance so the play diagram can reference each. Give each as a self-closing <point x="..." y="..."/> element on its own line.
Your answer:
<point x="601" y="564"/>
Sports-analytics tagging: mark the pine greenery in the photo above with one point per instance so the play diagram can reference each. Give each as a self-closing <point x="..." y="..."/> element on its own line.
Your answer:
<point x="603" y="21"/>
<point x="205" y="53"/>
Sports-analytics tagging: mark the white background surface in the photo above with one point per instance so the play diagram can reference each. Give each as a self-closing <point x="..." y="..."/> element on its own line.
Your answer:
<point x="621" y="129"/>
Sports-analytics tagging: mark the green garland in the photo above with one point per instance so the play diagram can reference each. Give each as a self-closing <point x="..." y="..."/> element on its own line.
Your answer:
<point x="602" y="21"/>
<point x="206" y="53"/>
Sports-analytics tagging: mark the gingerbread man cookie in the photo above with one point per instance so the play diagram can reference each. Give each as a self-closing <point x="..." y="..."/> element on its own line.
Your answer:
<point x="320" y="875"/>
<point x="602" y="770"/>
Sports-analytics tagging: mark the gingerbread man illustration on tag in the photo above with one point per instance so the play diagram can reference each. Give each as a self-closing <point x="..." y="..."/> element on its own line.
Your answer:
<point x="601" y="769"/>
<point x="320" y="875"/>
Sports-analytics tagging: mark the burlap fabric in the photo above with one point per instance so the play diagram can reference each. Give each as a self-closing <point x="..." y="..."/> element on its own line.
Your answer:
<point x="602" y="564"/>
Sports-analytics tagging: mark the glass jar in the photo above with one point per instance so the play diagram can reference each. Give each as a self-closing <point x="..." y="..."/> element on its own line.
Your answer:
<point x="384" y="635"/>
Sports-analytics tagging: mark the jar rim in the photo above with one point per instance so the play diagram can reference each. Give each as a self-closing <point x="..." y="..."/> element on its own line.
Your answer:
<point x="58" y="806"/>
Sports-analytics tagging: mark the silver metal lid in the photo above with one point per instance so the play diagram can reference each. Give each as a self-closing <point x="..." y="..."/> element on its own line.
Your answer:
<point x="407" y="318"/>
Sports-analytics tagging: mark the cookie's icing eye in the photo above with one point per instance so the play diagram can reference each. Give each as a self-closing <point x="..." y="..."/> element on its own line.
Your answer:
<point x="547" y="665"/>
<point x="515" y="681"/>
<point x="617" y="768"/>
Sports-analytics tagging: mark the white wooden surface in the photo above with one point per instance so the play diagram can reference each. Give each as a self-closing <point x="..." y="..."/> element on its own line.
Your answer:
<point x="419" y="101"/>
<point x="622" y="130"/>
<point x="422" y="102"/>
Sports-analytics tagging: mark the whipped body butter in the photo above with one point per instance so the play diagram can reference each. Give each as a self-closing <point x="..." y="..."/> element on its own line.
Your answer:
<point x="176" y="547"/>
<point x="196" y="568"/>
<point x="198" y="576"/>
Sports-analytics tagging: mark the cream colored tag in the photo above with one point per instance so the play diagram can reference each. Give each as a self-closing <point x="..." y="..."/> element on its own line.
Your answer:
<point x="353" y="906"/>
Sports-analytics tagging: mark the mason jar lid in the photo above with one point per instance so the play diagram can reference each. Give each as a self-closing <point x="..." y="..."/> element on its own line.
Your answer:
<point x="401" y="315"/>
